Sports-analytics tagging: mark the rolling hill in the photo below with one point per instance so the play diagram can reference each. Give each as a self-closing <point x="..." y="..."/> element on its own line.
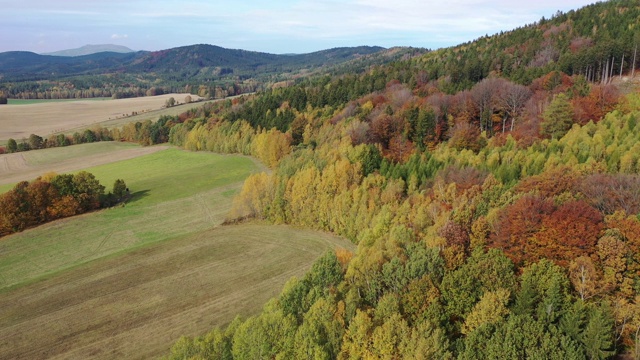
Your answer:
<point x="195" y="61"/>
<point x="206" y="70"/>
<point x="91" y="49"/>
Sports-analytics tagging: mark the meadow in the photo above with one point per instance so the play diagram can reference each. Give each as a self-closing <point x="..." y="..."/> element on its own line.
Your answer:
<point x="31" y="164"/>
<point x="128" y="281"/>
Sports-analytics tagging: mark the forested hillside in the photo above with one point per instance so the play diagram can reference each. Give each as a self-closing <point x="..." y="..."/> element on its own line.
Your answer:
<point x="206" y="70"/>
<point x="492" y="189"/>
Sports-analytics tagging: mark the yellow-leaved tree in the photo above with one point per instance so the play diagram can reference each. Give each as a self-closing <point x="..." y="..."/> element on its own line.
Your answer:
<point x="491" y="309"/>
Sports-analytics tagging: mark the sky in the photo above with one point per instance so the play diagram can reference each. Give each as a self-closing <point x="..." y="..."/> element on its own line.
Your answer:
<point x="273" y="26"/>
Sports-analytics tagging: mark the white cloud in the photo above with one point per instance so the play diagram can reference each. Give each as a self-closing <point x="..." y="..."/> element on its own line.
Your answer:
<point x="274" y="26"/>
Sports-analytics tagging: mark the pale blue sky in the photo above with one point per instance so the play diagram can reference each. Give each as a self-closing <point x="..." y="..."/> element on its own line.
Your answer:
<point x="289" y="26"/>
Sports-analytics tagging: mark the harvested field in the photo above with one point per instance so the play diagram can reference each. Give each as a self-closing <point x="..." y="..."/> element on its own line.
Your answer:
<point x="138" y="304"/>
<point x="44" y="119"/>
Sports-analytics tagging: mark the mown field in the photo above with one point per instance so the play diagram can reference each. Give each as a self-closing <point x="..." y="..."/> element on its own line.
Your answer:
<point x="53" y="117"/>
<point x="30" y="164"/>
<point x="40" y="101"/>
<point x="127" y="282"/>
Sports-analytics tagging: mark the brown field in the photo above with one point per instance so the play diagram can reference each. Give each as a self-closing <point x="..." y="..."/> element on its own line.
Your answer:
<point x="31" y="164"/>
<point x="137" y="304"/>
<point x="44" y="119"/>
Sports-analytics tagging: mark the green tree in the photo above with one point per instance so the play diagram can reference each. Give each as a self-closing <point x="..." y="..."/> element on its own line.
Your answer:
<point x="88" y="190"/>
<point x="598" y="334"/>
<point x="61" y="140"/>
<point x="35" y="141"/>
<point x="170" y="102"/>
<point x="89" y="136"/>
<point x="557" y="118"/>
<point x="12" y="145"/>
<point x="119" y="189"/>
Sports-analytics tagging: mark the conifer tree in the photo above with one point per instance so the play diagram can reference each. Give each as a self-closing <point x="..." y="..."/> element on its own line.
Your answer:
<point x="558" y="117"/>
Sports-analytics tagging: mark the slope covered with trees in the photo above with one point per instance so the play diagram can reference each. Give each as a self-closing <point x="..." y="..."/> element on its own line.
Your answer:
<point x="206" y="70"/>
<point x="492" y="190"/>
<point x="495" y="211"/>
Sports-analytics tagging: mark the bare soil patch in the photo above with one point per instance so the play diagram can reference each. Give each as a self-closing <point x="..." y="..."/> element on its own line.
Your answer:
<point x="44" y="119"/>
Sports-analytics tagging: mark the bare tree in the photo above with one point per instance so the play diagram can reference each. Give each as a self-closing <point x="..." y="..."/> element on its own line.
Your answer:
<point x="633" y="64"/>
<point x="613" y="60"/>
<point x="511" y="98"/>
<point x="484" y="95"/>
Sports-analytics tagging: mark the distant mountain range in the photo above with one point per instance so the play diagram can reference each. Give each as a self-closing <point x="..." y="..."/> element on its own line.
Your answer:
<point x="195" y="62"/>
<point x="92" y="49"/>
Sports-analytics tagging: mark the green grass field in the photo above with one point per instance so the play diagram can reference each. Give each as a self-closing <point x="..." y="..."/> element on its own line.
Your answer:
<point x="31" y="164"/>
<point x="127" y="282"/>
<point x="74" y="152"/>
<point x="174" y="193"/>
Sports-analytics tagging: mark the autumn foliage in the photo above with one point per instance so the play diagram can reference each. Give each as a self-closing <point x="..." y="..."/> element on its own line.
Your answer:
<point x="49" y="198"/>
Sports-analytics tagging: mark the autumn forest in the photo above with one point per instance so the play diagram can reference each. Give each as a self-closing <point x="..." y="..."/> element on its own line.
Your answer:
<point x="492" y="190"/>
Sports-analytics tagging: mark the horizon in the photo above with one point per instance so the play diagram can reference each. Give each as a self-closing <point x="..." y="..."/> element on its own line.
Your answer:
<point x="284" y="27"/>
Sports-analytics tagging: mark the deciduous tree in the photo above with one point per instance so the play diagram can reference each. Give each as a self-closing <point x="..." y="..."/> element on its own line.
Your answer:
<point x="557" y="118"/>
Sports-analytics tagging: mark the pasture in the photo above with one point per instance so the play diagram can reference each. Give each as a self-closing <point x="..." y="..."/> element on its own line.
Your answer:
<point x="174" y="193"/>
<point x="30" y="164"/>
<point x="127" y="282"/>
<point x="53" y="117"/>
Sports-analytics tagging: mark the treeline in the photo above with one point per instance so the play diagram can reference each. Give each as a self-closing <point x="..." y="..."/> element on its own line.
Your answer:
<point x="144" y="133"/>
<point x="403" y="120"/>
<point x="52" y="197"/>
<point x="120" y="86"/>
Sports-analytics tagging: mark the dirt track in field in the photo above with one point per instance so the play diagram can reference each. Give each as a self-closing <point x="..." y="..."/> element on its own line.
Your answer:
<point x="44" y="119"/>
<point x="15" y="167"/>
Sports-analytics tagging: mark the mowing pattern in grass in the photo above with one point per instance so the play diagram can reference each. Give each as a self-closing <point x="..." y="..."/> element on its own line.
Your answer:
<point x="138" y="304"/>
<point x="174" y="193"/>
<point x="75" y="152"/>
<point x="31" y="164"/>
